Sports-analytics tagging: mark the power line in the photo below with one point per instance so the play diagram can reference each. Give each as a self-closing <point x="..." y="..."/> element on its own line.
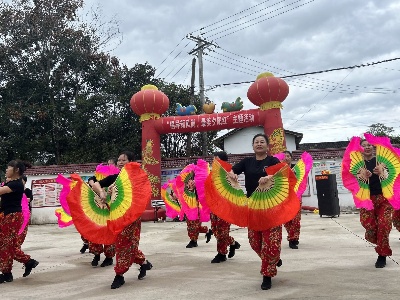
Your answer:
<point x="311" y="73"/>
<point x="202" y="28"/>
<point x="281" y="13"/>
<point x="159" y="74"/>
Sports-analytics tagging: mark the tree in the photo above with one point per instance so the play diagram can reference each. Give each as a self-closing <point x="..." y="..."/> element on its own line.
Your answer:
<point x="48" y="59"/>
<point x="380" y="129"/>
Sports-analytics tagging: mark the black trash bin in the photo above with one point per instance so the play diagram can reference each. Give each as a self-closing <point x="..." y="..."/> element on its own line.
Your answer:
<point x="327" y="194"/>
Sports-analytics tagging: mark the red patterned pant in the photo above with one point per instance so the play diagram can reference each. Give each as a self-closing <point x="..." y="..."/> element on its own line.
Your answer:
<point x="396" y="219"/>
<point x="127" y="248"/>
<point x="378" y="224"/>
<point x="20" y="256"/>
<point x="220" y="230"/>
<point x="267" y="244"/>
<point x="96" y="249"/>
<point x="9" y="227"/>
<point x="293" y="227"/>
<point x="194" y="228"/>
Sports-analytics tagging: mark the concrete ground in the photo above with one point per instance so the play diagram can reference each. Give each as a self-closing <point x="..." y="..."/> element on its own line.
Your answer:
<point x="333" y="262"/>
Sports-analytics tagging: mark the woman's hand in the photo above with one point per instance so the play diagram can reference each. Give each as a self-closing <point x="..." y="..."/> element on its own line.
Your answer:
<point x="103" y="196"/>
<point x="232" y="176"/>
<point x="379" y="170"/>
<point x="265" y="179"/>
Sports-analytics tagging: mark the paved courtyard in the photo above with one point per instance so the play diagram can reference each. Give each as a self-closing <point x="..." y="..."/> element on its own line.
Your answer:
<point x="333" y="262"/>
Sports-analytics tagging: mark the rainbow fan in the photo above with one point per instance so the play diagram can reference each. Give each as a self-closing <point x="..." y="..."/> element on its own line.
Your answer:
<point x="281" y="156"/>
<point x="187" y="196"/>
<point x="25" y="212"/>
<point x="201" y="172"/>
<point x="89" y="213"/>
<point x="130" y="194"/>
<point x="172" y="206"/>
<point x="301" y="170"/>
<point x="63" y="218"/>
<point x="388" y="160"/>
<point x="354" y="174"/>
<point x="102" y="171"/>
<point x="270" y="205"/>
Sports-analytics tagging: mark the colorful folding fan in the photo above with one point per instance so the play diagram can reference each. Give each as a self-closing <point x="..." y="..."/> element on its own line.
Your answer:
<point x="190" y="206"/>
<point x="172" y="206"/>
<point x="102" y="171"/>
<point x="281" y="156"/>
<point x="63" y="218"/>
<point x="66" y="188"/>
<point x="301" y="170"/>
<point x="270" y="205"/>
<point x="89" y="213"/>
<point x="26" y="213"/>
<point x="201" y="172"/>
<point x="131" y="193"/>
<point x="388" y="158"/>
<point x="354" y="174"/>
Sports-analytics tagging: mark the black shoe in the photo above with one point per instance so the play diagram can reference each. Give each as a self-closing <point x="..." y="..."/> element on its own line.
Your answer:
<point x="208" y="235"/>
<point x="279" y="263"/>
<point x="84" y="248"/>
<point x="293" y="244"/>
<point x="380" y="262"/>
<point x="29" y="266"/>
<point x="96" y="260"/>
<point x="108" y="261"/>
<point x="232" y="249"/>
<point x="218" y="258"/>
<point x="191" y="244"/>
<point x="118" y="282"/>
<point x="6" y="277"/>
<point x="266" y="284"/>
<point x="143" y="268"/>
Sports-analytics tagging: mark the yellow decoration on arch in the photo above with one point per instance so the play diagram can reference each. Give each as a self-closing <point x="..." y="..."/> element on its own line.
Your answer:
<point x="270" y="105"/>
<point x="276" y="141"/>
<point x="149" y="116"/>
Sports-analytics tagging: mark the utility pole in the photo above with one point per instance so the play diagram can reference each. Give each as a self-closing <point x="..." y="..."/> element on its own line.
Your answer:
<point x="201" y="44"/>
<point x="189" y="137"/>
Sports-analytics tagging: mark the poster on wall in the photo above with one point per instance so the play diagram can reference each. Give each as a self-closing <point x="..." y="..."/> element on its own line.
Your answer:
<point x="45" y="192"/>
<point x="334" y="167"/>
<point x="168" y="174"/>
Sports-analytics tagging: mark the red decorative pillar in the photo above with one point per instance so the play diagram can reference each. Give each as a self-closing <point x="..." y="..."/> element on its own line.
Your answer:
<point x="268" y="92"/>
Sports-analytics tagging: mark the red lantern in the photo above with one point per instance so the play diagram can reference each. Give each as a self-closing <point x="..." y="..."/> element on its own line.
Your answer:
<point x="268" y="91"/>
<point x="149" y="103"/>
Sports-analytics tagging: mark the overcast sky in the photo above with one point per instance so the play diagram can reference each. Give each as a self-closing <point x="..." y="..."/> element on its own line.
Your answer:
<point x="282" y="37"/>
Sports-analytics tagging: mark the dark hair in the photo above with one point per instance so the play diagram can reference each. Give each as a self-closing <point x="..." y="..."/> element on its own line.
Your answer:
<point x="18" y="164"/>
<point x="288" y="152"/>
<point x="222" y="155"/>
<point x="23" y="177"/>
<point x="113" y="159"/>
<point x="129" y="155"/>
<point x="263" y="135"/>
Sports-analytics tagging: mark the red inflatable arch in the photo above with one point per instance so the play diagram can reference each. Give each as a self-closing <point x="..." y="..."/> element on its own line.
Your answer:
<point x="267" y="92"/>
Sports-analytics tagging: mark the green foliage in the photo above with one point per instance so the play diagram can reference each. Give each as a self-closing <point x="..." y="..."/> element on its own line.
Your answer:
<point x="380" y="129"/>
<point x="62" y="99"/>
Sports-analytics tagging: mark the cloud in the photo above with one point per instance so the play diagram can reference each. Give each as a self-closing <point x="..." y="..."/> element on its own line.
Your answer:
<point x="288" y="39"/>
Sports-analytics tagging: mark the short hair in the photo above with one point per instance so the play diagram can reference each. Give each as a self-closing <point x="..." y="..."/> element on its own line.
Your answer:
<point x="24" y="178"/>
<point x="263" y="135"/>
<point x="113" y="159"/>
<point x="288" y="152"/>
<point x="222" y="155"/>
<point x="129" y="155"/>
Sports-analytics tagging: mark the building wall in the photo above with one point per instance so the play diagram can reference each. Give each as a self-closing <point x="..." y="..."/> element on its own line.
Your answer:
<point x="46" y="197"/>
<point x="241" y="141"/>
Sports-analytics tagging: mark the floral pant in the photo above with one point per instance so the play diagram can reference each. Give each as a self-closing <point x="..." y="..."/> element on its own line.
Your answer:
<point x="194" y="228"/>
<point x="378" y="224"/>
<point x="127" y="248"/>
<point x="293" y="227"/>
<point x="396" y="219"/>
<point x="220" y="230"/>
<point x="10" y="241"/>
<point x="267" y="245"/>
<point x="96" y="249"/>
